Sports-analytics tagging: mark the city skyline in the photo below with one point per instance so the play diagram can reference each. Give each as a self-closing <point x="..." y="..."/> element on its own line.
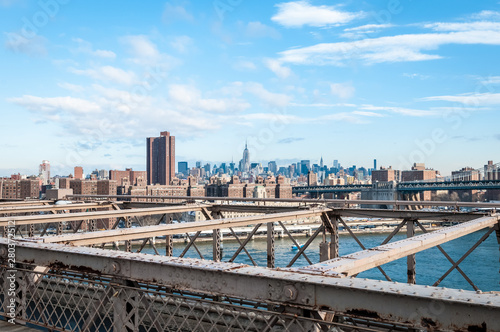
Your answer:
<point x="400" y="82"/>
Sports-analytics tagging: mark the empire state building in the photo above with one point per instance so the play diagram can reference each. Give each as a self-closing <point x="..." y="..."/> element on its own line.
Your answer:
<point x="245" y="162"/>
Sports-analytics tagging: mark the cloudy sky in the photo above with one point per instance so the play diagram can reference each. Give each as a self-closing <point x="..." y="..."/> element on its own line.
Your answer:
<point x="85" y="82"/>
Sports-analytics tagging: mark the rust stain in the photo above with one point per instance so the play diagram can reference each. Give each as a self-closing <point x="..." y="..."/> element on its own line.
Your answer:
<point x="363" y="313"/>
<point x="427" y="322"/>
<point x="475" y="328"/>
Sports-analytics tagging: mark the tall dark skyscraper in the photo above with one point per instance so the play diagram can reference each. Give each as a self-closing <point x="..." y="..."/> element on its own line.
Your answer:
<point x="182" y="167"/>
<point x="161" y="158"/>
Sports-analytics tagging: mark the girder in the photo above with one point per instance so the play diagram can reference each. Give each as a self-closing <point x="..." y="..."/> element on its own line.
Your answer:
<point x="40" y="219"/>
<point x="364" y="260"/>
<point x="170" y="229"/>
<point x="417" y="306"/>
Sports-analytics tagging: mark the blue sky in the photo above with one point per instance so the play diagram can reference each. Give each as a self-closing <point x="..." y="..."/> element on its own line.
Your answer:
<point x="85" y="82"/>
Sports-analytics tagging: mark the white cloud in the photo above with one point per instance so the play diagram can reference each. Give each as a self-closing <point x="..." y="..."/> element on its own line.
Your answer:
<point x="402" y="110"/>
<point x="471" y="99"/>
<point x="108" y="73"/>
<point x="370" y="27"/>
<point x="56" y="104"/>
<point x="323" y="105"/>
<point x="86" y="48"/>
<point x="416" y="75"/>
<point x="71" y="87"/>
<point x="244" y="65"/>
<point x="491" y="80"/>
<point x="19" y="43"/>
<point x="182" y="44"/>
<point x="141" y="47"/>
<point x="343" y="116"/>
<point x="145" y="53"/>
<point x="486" y="15"/>
<point x="361" y="31"/>
<point x="284" y="118"/>
<point x="176" y="10"/>
<point x="270" y="98"/>
<point x="276" y="67"/>
<point x="408" y="47"/>
<point x="342" y="90"/>
<point x="259" y="30"/>
<point x="464" y="26"/>
<point x="368" y="114"/>
<point x="188" y="97"/>
<point x="296" y="14"/>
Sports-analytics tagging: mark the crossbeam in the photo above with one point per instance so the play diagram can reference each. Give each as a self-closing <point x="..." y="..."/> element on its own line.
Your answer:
<point x="417" y="306"/>
<point x="24" y="203"/>
<point x="408" y="214"/>
<point x="41" y="219"/>
<point x="170" y="229"/>
<point x="364" y="260"/>
<point x="53" y="207"/>
<point x="338" y="202"/>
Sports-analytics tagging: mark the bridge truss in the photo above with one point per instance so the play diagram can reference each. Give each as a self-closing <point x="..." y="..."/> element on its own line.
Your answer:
<point x="71" y="281"/>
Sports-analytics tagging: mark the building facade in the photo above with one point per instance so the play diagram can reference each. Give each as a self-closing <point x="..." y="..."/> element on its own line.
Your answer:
<point x="160" y="159"/>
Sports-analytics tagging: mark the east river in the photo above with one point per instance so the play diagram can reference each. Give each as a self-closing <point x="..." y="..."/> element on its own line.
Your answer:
<point x="482" y="265"/>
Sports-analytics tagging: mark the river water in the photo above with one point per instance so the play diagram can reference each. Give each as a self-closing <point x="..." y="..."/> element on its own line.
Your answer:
<point x="482" y="265"/>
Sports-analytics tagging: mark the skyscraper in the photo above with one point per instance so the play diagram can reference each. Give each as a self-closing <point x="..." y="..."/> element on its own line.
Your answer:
<point x="182" y="167"/>
<point x="245" y="162"/>
<point x="78" y="172"/>
<point x="44" y="172"/>
<point x="161" y="158"/>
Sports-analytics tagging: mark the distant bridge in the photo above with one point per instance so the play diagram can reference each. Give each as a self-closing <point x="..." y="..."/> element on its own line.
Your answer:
<point x="414" y="186"/>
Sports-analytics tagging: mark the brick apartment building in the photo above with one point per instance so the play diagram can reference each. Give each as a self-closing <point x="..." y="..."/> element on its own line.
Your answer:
<point x="19" y="189"/>
<point x="127" y="177"/>
<point x="92" y="187"/>
<point x="386" y="175"/>
<point x="274" y="188"/>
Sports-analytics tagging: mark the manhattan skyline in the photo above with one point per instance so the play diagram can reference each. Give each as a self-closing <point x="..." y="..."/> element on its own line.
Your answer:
<point x="397" y="81"/>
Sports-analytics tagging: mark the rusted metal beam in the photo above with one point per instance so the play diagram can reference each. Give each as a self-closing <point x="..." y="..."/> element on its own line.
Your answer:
<point x="49" y="208"/>
<point x="412" y="305"/>
<point x="386" y="276"/>
<point x="40" y="219"/>
<point x="25" y="203"/>
<point x="171" y="229"/>
<point x="408" y="214"/>
<point x="337" y="202"/>
<point x="361" y="261"/>
<point x="410" y="259"/>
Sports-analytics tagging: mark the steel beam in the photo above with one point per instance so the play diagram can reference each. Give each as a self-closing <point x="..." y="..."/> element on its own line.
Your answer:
<point x="41" y="219"/>
<point x="407" y="214"/>
<point x="361" y="261"/>
<point x="337" y="202"/>
<point x="25" y="203"/>
<point x="160" y="230"/>
<point x="53" y="207"/>
<point x="261" y="209"/>
<point x="412" y="305"/>
<point x="410" y="259"/>
<point x="270" y="245"/>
